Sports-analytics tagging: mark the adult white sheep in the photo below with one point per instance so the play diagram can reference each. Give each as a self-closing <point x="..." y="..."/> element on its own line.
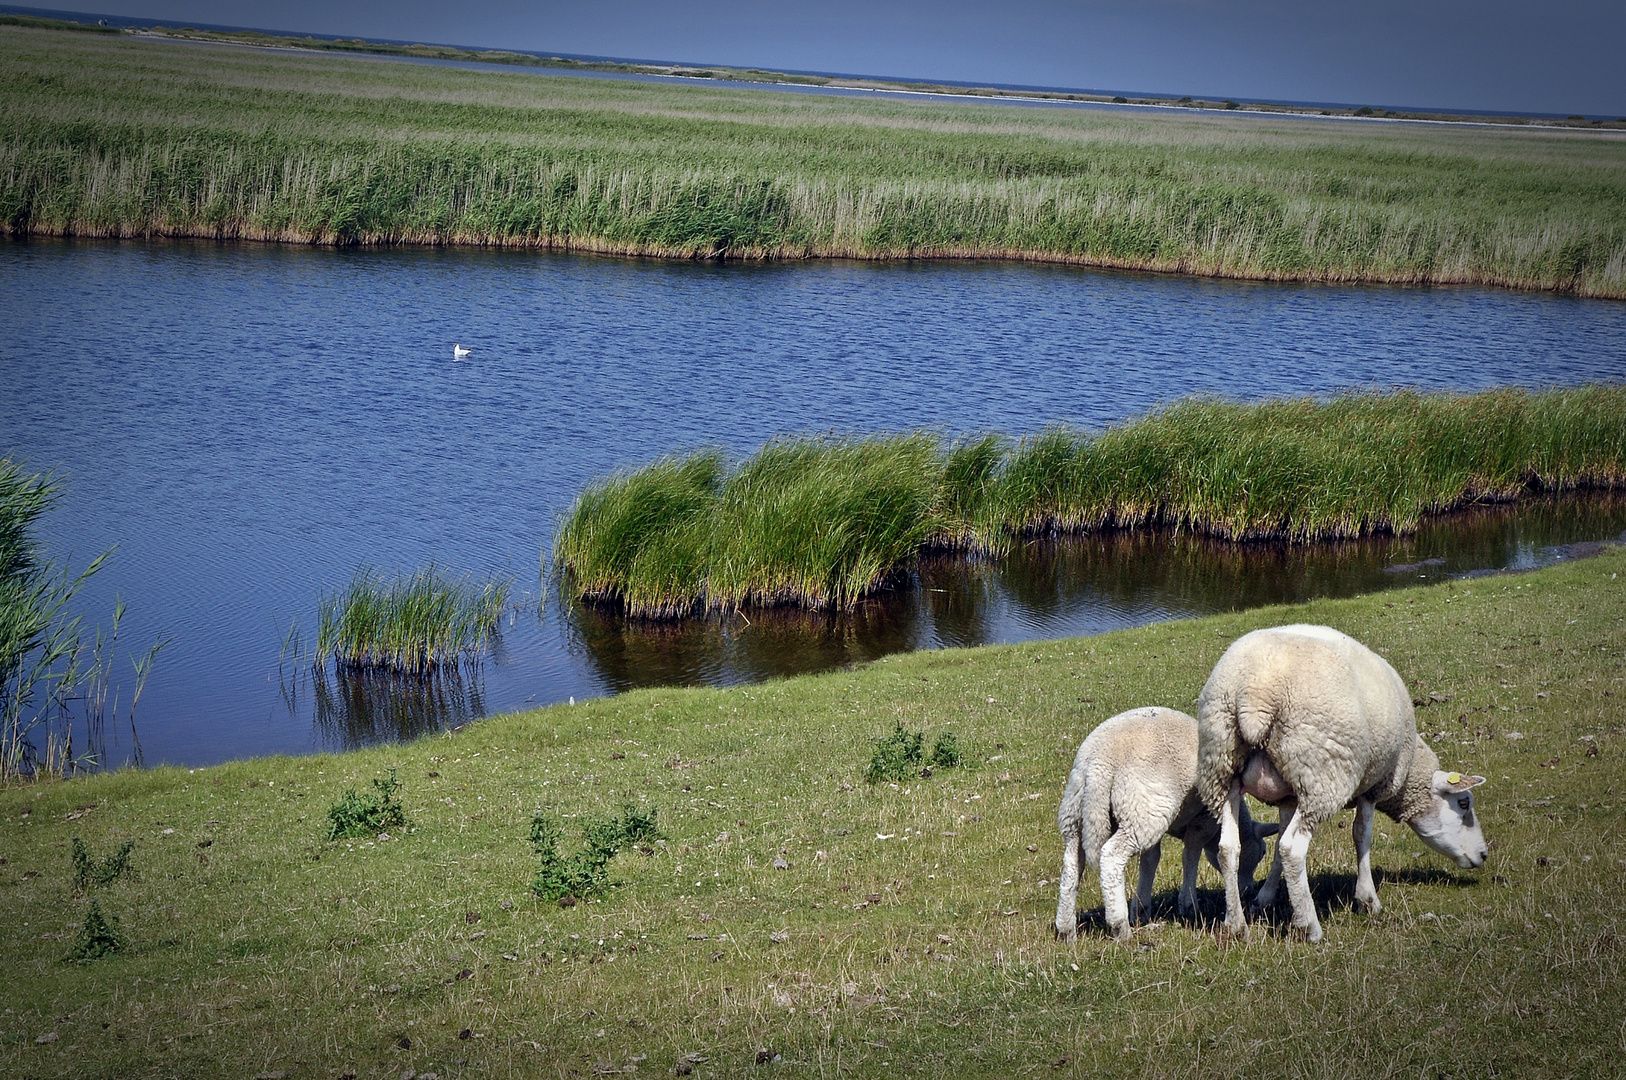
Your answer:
<point x="1310" y="720"/>
<point x="1134" y="780"/>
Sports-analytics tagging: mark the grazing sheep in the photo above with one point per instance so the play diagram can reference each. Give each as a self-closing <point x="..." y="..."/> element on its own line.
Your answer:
<point x="1133" y="781"/>
<point x="1312" y="721"/>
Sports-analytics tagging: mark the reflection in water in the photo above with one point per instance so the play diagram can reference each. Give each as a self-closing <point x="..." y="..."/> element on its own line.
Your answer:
<point x="356" y="707"/>
<point x="1075" y="585"/>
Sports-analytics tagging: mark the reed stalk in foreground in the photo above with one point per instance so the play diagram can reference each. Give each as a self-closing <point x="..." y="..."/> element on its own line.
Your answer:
<point x="821" y="522"/>
<point x="415" y="624"/>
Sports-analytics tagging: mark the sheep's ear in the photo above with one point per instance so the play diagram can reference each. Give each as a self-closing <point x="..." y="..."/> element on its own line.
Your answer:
<point x="1455" y="783"/>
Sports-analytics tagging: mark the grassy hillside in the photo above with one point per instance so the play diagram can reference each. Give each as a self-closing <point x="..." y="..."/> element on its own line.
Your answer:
<point x="117" y="136"/>
<point x="257" y="947"/>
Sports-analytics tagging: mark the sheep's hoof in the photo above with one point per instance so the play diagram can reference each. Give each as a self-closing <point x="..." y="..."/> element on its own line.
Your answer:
<point x="1067" y="934"/>
<point x="1310" y="933"/>
<point x="1232" y="934"/>
<point x="1368" y="905"/>
<point x="1122" y="933"/>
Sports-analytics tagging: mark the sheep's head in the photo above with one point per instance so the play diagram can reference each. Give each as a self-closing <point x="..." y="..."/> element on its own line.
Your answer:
<point x="1449" y="825"/>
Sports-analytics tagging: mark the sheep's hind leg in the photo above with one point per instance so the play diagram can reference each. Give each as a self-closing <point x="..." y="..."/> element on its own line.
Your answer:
<point x="1149" y="859"/>
<point x="1366" y="892"/>
<point x="1067" y="902"/>
<point x="1265" y="897"/>
<point x="1190" y="859"/>
<point x="1115" y="855"/>
<point x="1230" y="859"/>
<point x="1294" y="846"/>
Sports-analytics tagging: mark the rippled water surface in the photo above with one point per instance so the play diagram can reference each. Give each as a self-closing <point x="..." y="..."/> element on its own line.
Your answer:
<point x="249" y="424"/>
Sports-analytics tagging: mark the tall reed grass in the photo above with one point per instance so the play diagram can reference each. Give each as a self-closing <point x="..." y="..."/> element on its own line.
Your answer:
<point x="55" y="673"/>
<point x="820" y="522"/>
<point x="415" y="624"/>
<point x="125" y="138"/>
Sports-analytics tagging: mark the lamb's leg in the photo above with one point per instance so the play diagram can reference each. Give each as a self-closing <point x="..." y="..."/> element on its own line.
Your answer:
<point x="1230" y="857"/>
<point x="1067" y="902"/>
<point x="1115" y="854"/>
<point x="1148" y="878"/>
<point x="1294" y="846"/>
<point x="1366" y="892"/>
<point x="1265" y="898"/>
<point x="1190" y="859"/>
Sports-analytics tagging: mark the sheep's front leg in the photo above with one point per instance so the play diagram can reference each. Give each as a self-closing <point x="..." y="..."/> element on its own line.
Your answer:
<point x="1115" y="854"/>
<point x="1366" y="892"/>
<point x="1265" y="898"/>
<point x="1067" y="902"/>
<point x="1190" y="859"/>
<point x="1294" y="846"/>
<point x="1148" y="878"/>
<point x="1230" y="858"/>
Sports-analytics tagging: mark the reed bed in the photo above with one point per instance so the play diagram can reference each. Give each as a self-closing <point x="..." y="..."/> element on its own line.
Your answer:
<point x="123" y="138"/>
<point x="821" y="522"/>
<point x="417" y="624"/>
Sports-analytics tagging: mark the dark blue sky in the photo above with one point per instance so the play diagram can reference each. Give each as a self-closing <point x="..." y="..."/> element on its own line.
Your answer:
<point x="1563" y="56"/>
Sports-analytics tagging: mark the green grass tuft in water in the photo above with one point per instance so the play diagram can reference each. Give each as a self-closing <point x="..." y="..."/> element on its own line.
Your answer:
<point x="415" y="624"/>
<point x="821" y="522"/>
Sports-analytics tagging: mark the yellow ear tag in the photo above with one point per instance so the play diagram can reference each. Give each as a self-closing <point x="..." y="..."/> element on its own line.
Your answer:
<point x="1453" y="778"/>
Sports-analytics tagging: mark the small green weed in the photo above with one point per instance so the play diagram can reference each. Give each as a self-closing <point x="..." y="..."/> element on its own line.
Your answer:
<point x="583" y="874"/>
<point x="369" y="814"/>
<point x="89" y="871"/>
<point x="901" y="754"/>
<point x="97" y="937"/>
<point x="896" y="755"/>
<point x="945" y="752"/>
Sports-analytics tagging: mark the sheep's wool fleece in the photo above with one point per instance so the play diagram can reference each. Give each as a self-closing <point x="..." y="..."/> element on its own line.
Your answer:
<point x="1137" y="769"/>
<point x="1334" y="718"/>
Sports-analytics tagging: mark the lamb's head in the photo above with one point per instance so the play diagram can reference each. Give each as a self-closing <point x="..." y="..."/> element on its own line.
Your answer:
<point x="1448" y="823"/>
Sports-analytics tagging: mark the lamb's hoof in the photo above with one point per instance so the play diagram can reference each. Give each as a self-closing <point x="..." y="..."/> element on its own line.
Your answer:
<point x="1122" y="934"/>
<point x="1368" y="906"/>
<point x="1232" y="934"/>
<point x="1311" y="933"/>
<point x="1067" y="934"/>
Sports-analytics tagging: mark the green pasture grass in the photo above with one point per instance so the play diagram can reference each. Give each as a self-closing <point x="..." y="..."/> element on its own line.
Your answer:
<point x="124" y="137"/>
<point x="822" y="522"/>
<point x="414" y="623"/>
<point x="254" y="946"/>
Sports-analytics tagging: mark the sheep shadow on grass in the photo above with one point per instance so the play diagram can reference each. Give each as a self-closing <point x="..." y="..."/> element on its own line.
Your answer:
<point x="1333" y="892"/>
<point x="1165" y="909"/>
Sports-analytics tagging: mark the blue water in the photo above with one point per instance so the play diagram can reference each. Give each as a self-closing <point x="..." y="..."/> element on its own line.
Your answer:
<point x="249" y="424"/>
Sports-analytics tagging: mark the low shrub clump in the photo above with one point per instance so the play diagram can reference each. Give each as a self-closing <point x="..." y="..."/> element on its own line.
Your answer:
<point x="90" y="871"/>
<point x="821" y="522"/>
<point x="585" y="873"/>
<point x="901" y="754"/>
<point x="359" y="814"/>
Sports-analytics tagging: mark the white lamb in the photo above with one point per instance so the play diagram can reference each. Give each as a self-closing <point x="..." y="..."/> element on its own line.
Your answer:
<point x="1134" y="780"/>
<point x="1310" y="720"/>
